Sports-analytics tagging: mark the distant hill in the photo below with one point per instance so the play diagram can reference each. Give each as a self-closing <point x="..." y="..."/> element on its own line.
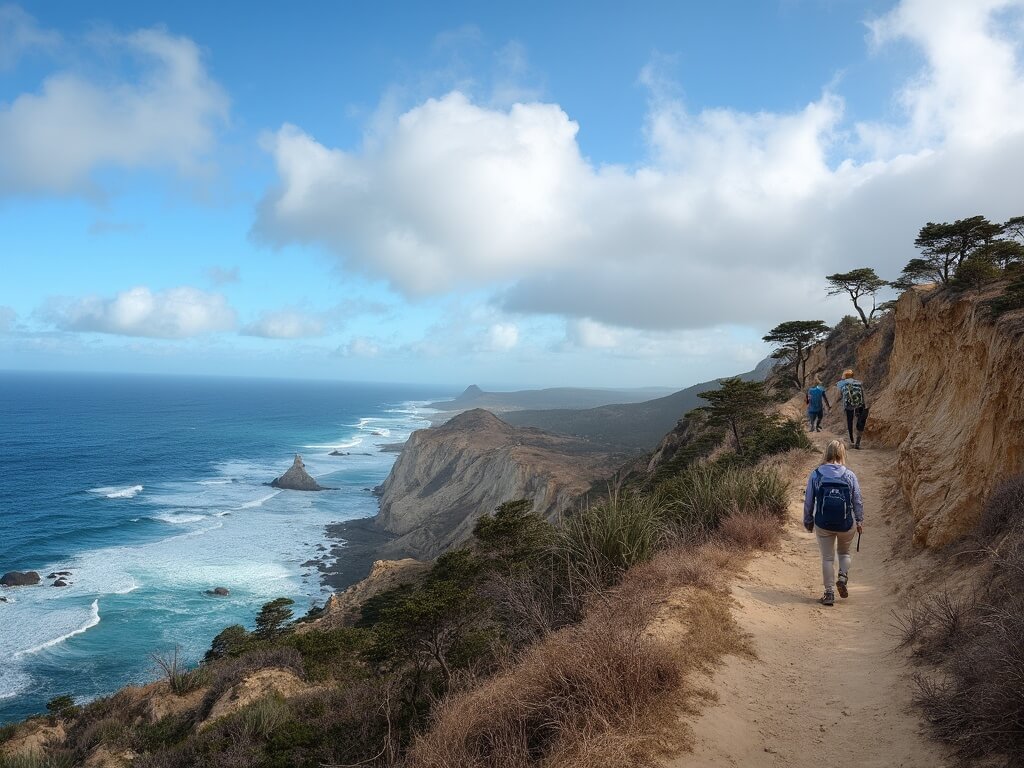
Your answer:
<point x="629" y="426"/>
<point x="543" y="399"/>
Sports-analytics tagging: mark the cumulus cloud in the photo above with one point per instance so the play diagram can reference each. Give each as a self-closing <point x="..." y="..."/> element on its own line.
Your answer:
<point x="503" y="336"/>
<point x="360" y="346"/>
<point x="20" y="34"/>
<point x="733" y="216"/>
<point x="176" y="313"/>
<point x="285" y="324"/>
<point x="165" y="116"/>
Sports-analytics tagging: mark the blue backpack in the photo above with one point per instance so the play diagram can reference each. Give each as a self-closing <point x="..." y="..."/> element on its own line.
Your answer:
<point x="833" y="503"/>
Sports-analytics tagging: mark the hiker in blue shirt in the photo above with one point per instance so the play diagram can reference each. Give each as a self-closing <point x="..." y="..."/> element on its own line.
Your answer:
<point x="815" y="396"/>
<point x="854" y="403"/>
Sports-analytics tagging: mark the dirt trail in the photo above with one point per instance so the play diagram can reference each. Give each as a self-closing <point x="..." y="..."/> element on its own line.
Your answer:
<point x="827" y="687"/>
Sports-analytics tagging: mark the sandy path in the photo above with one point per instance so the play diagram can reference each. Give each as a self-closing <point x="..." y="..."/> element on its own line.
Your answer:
<point x="827" y="688"/>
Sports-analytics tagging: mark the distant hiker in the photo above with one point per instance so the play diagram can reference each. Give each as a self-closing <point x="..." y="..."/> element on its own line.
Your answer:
<point x="815" y="396"/>
<point x="852" y="392"/>
<point x="834" y="511"/>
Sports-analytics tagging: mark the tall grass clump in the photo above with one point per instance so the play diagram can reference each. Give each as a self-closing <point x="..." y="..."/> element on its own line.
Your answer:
<point x="604" y="540"/>
<point x="698" y="500"/>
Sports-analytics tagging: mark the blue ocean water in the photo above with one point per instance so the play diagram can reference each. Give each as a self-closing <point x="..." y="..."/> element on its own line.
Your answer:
<point x="151" y="490"/>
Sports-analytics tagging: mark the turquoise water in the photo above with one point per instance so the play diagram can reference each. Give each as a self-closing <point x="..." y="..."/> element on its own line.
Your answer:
<point x="151" y="490"/>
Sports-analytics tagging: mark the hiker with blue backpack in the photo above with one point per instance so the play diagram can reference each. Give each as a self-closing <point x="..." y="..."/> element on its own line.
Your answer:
<point x="855" y="405"/>
<point x="834" y="511"/>
<point x="815" y="397"/>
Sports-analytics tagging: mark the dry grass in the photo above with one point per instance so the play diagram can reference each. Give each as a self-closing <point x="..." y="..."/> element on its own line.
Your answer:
<point x="973" y="693"/>
<point x="752" y="530"/>
<point x="608" y="691"/>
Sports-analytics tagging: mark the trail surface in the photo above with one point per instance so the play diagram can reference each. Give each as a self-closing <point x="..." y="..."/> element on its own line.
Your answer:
<point x="827" y="687"/>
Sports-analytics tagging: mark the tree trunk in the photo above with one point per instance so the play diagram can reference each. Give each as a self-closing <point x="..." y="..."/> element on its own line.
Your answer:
<point x="860" y="312"/>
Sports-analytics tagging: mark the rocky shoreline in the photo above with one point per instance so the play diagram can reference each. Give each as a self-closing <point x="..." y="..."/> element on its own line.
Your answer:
<point x="353" y="548"/>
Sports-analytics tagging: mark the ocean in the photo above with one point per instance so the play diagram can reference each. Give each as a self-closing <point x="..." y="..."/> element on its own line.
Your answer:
<point x="152" y="490"/>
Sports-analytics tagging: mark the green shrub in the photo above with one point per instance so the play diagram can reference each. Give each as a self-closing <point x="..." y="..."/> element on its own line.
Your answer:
<point x="1012" y="298"/>
<point x="258" y="721"/>
<point x="333" y="654"/>
<point x="604" y="540"/>
<point x="165" y="732"/>
<point x="230" y="641"/>
<point x="61" y="708"/>
<point x="697" y="500"/>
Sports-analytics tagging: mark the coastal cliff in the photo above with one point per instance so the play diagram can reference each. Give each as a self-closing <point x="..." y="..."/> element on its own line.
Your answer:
<point x="945" y="386"/>
<point x="447" y="476"/>
<point x="952" y="406"/>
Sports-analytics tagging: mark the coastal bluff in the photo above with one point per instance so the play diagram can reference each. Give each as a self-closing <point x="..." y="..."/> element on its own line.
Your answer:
<point x="448" y="476"/>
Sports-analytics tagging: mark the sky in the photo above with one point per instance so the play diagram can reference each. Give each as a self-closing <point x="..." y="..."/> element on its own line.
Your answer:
<point x="528" y="194"/>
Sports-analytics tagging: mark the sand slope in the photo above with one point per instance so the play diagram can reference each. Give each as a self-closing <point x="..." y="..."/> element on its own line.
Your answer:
<point x="827" y="687"/>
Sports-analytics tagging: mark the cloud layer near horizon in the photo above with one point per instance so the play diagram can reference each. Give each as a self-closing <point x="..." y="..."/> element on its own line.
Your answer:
<point x="733" y="216"/>
<point x="176" y="313"/>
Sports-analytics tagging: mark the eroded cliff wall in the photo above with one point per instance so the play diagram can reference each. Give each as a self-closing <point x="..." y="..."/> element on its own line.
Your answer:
<point x="447" y="476"/>
<point x="952" y="406"/>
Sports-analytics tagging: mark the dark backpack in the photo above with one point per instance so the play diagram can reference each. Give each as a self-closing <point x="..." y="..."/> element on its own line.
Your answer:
<point x="833" y="503"/>
<point x="853" y="395"/>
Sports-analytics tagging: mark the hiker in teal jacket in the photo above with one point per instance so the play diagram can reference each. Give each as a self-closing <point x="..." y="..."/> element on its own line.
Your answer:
<point x="815" y="397"/>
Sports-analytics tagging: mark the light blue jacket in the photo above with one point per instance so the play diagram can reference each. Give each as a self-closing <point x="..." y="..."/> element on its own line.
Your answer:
<point x="833" y="472"/>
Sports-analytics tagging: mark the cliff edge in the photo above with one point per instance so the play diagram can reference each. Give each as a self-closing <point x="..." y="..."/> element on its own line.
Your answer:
<point x="447" y="476"/>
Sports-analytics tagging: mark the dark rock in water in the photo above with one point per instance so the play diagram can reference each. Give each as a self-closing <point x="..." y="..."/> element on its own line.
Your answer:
<point x="337" y="453"/>
<point x="60" y="583"/>
<point x="297" y="478"/>
<point x="58" y="574"/>
<point x="19" y="579"/>
<point x="3" y="599"/>
<point x="311" y="564"/>
<point x="219" y="591"/>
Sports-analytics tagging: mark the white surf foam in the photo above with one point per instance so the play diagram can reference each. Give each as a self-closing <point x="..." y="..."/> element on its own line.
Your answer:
<point x="336" y="446"/>
<point x="259" y="502"/>
<point x="178" y="518"/>
<point x="113" y="492"/>
<point x="92" y="621"/>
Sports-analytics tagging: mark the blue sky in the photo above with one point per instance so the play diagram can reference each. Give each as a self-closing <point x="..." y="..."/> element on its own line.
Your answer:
<point x="460" y="192"/>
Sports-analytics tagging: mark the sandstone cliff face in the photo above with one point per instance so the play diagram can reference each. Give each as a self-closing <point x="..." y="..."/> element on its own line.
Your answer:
<point x="447" y="476"/>
<point x="952" y="406"/>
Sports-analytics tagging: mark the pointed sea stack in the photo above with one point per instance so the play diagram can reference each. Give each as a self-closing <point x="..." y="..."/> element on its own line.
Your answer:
<point x="297" y="478"/>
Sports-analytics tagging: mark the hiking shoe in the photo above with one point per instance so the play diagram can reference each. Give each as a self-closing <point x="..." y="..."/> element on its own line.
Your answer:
<point x="857" y="444"/>
<point x="841" y="585"/>
<point x="829" y="598"/>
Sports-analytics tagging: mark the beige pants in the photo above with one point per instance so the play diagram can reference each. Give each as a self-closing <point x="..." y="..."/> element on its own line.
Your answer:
<point x="829" y="542"/>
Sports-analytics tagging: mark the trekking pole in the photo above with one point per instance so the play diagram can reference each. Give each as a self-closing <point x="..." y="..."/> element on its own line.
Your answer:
<point x="858" y="541"/>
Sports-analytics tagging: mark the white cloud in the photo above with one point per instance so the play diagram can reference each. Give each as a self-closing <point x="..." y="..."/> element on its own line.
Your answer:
<point x="503" y="336"/>
<point x="176" y="313"/>
<point x="734" y="218"/>
<point x="8" y="317"/>
<point x="285" y="324"/>
<point x="971" y="92"/>
<point x="164" y="117"/>
<point x="19" y="34"/>
<point x="360" y="346"/>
